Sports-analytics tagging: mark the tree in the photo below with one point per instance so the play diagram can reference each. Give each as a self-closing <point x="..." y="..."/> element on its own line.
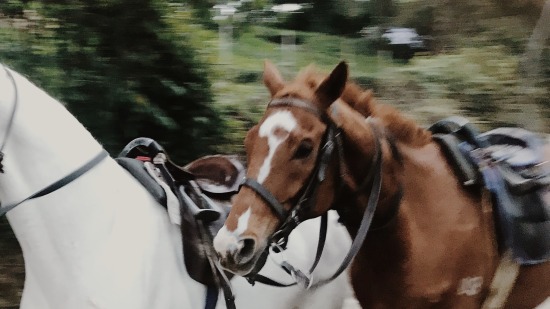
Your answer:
<point x="127" y="74"/>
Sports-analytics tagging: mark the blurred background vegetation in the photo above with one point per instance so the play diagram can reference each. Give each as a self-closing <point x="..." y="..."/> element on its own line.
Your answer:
<point x="188" y="73"/>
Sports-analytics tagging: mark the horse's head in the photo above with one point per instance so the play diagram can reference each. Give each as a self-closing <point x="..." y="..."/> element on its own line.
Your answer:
<point x="284" y="152"/>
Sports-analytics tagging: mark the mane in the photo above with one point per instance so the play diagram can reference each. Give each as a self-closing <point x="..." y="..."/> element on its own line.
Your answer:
<point x="401" y="127"/>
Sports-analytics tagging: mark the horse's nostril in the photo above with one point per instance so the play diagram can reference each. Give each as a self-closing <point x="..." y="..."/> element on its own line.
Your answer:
<point x="246" y="252"/>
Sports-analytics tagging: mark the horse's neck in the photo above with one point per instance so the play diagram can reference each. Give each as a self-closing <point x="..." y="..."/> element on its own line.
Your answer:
<point x="101" y="233"/>
<point x="385" y="251"/>
<point x="45" y="142"/>
<point x="403" y="256"/>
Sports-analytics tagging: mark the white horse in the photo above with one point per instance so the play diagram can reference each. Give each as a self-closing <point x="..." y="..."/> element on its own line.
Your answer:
<point x="101" y="241"/>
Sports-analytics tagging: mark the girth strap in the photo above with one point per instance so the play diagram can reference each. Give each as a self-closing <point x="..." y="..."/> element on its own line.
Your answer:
<point x="61" y="182"/>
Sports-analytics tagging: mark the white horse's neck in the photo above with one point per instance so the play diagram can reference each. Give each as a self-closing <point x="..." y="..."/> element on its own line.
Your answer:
<point x="99" y="242"/>
<point x="45" y="143"/>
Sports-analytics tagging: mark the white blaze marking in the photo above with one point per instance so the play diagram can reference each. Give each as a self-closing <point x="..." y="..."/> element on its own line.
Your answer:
<point x="225" y="240"/>
<point x="283" y="120"/>
<point x="242" y="223"/>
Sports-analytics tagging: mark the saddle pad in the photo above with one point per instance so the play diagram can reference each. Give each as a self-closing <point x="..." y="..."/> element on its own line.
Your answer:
<point x="518" y="147"/>
<point x="509" y="162"/>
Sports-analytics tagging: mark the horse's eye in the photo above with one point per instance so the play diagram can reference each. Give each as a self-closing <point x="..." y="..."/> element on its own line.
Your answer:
<point x="304" y="150"/>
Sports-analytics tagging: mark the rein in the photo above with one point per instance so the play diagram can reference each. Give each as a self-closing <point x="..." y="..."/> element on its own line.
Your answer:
<point x="57" y="184"/>
<point x="291" y="219"/>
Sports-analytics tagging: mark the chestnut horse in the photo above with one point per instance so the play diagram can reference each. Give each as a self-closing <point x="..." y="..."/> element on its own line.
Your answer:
<point x="431" y="243"/>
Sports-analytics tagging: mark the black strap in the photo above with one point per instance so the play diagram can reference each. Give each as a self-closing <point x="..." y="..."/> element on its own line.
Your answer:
<point x="321" y="243"/>
<point x="61" y="182"/>
<point x="365" y="223"/>
<point x="211" y="297"/>
<point x="320" y="246"/>
<point x="267" y="196"/>
<point x="221" y="279"/>
<point x="268" y="281"/>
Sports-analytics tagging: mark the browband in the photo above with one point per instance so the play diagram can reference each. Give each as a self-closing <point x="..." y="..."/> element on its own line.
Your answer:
<point x="295" y="102"/>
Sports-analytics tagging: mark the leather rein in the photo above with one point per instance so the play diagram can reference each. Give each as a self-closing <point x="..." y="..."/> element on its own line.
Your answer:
<point x="332" y="140"/>
<point x="57" y="184"/>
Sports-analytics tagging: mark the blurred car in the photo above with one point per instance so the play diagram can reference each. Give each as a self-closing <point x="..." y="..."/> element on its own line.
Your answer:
<point x="404" y="42"/>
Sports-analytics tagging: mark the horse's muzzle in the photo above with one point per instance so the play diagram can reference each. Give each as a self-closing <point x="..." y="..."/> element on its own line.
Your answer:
<point x="237" y="255"/>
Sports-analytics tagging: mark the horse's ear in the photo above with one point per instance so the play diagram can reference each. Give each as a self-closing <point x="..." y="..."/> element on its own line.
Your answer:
<point x="333" y="86"/>
<point x="272" y="78"/>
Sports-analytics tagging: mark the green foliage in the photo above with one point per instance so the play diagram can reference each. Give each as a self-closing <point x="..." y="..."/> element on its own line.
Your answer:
<point x="484" y="81"/>
<point x="12" y="7"/>
<point x="248" y="77"/>
<point x="329" y="17"/>
<point x="366" y="82"/>
<point x="202" y="11"/>
<point x="382" y="10"/>
<point x="422" y="20"/>
<point x="276" y="37"/>
<point x="126" y="74"/>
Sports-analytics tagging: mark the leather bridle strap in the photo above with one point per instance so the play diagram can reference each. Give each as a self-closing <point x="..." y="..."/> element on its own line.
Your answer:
<point x="271" y="200"/>
<point x="268" y="281"/>
<point x="308" y="196"/>
<point x="365" y="221"/>
<point x="321" y="242"/>
<point x="289" y="269"/>
<point x="54" y="186"/>
<point x="295" y="102"/>
<point x="60" y="183"/>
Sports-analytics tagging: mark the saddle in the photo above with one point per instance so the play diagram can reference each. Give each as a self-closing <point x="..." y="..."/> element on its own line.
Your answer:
<point x="509" y="162"/>
<point x="192" y="189"/>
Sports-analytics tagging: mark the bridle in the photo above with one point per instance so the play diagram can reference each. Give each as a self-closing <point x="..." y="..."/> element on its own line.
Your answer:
<point x="332" y="140"/>
<point x="57" y="184"/>
<point x="306" y="197"/>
